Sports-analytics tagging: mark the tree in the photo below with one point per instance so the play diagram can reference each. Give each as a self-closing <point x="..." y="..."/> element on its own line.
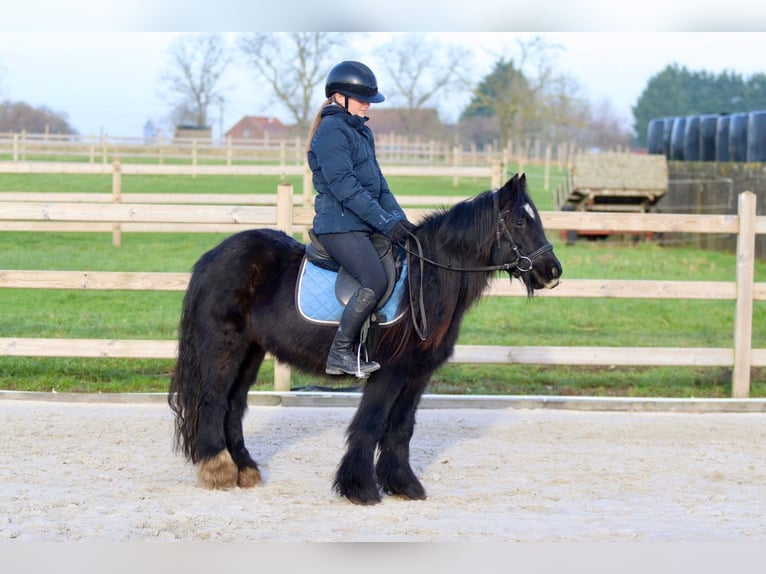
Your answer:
<point x="601" y="128"/>
<point x="293" y="65"/>
<point x="20" y="116"/>
<point x="754" y="93"/>
<point x="505" y="94"/>
<point x="563" y="114"/>
<point x="525" y="95"/>
<point x="197" y="63"/>
<point x="422" y="68"/>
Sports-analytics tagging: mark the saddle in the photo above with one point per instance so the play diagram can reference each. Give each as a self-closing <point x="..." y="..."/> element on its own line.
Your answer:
<point x="324" y="287"/>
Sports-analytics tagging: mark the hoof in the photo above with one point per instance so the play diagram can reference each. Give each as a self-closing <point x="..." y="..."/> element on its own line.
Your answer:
<point x="219" y="472"/>
<point x="400" y="481"/>
<point x="411" y="495"/>
<point x="410" y="490"/>
<point x="363" y="502"/>
<point x="249" y="477"/>
<point x="357" y="494"/>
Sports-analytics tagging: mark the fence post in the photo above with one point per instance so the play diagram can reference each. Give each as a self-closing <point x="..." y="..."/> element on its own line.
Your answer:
<point x="117" y="198"/>
<point x="743" y="317"/>
<point x="523" y="155"/>
<point x="285" y="223"/>
<point x="547" y="176"/>
<point x="194" y="158"/>
<point x="496" y="175"/>
<point x="15" y="147"/>
<point x="160" y="148"/>
<point x="285" y="207"/>
<point x="455" y="163"/>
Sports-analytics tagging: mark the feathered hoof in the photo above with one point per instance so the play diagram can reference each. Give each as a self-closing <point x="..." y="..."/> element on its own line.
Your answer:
<point x="363" y="500"/>
<point x="249" y="477"/>
<point x="358" y="494"/>
<point x="403" y="484"/>
<point x="219" y="472"/>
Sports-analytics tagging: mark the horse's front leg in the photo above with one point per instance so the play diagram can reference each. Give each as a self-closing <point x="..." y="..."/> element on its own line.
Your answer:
<point x="393" y="469"/>
<point x="355" y="478"/>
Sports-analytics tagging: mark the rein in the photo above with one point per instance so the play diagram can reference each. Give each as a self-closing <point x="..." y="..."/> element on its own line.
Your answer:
<point x="522" y="264"/>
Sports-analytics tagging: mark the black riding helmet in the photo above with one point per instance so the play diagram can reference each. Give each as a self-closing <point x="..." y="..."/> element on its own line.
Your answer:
<point x="354" y="80"/>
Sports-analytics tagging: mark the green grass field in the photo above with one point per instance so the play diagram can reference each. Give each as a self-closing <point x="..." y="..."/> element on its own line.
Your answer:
<point x="495" y="321"/>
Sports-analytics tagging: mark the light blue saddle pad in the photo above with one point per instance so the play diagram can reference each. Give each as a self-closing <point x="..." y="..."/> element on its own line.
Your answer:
<point x="316" y="301"/>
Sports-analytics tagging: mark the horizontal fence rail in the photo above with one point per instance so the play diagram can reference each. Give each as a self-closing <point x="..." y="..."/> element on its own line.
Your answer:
<point x="146" y="212"/>
<point x="289" y="213"/>
<point x="390" y="148"/>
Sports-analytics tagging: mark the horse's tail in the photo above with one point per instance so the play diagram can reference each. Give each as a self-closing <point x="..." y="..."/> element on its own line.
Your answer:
<point x="185" y="384"/>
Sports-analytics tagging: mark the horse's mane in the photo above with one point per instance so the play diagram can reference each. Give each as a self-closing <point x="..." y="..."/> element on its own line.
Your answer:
<point x="463" y="232"/>
<point x="460" y="236"/>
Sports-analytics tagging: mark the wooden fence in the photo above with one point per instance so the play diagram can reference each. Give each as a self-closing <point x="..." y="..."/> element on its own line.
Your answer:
<point x="289" y="214"/>
<point x="116" y="212"/>
<point x="390" y="148"/>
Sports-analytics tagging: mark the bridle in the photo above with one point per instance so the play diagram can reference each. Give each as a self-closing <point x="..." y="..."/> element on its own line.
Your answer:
<point x="521" y="264"/>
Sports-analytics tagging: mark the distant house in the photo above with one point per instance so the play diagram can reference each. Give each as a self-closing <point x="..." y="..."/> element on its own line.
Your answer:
<point x="256" y="128"/>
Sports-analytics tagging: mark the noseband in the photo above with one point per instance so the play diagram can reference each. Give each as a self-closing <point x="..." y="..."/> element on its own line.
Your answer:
<point x="522" y="263"/>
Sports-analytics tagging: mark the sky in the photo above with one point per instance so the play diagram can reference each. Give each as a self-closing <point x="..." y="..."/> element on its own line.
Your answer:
<point x="109" y="81"/>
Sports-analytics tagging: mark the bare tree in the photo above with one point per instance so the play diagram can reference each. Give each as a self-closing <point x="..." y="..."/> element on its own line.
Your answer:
<point x="18" y="116"/>
<point x="604" y="129"/>
<point x="197" y="63"/>
<point x="562" y="111"/>
<point x="525" y="94"/>
<point x="293" y="64"/>
<point x="421" y="69"/>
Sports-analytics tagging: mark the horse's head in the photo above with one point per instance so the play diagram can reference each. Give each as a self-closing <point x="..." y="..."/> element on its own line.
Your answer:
<point x="521" y="240"/>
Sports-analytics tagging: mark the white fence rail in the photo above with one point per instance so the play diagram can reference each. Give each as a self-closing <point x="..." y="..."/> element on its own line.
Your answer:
<point x="390" y="148"/>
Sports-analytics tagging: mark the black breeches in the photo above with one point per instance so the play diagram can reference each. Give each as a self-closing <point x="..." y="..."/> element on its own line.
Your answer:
<point x="356" y="254"/>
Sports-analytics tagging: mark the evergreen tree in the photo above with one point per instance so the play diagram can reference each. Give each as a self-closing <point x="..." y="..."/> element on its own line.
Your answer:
<point x="506" y="95"/>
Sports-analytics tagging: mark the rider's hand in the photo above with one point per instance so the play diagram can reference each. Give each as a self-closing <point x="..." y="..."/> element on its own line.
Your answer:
<point x="400" y="232"/>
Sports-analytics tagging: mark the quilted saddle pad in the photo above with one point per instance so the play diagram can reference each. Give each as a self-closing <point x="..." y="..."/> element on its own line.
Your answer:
<point x="316" y="301"/>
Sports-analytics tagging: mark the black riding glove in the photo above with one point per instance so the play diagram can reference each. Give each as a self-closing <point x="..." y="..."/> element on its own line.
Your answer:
<point x="411" y="227"/>
<point x="400" y="232"/>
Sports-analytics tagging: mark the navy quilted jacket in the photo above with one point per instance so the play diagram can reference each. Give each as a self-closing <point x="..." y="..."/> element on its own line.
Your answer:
<point x="352" y="195"/>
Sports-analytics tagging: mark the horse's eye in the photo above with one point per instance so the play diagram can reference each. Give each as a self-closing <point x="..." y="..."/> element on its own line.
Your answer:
<point x="520" y="222"/>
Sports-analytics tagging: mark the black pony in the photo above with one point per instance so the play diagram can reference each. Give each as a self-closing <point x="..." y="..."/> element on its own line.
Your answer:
<point x="240" y="305"/>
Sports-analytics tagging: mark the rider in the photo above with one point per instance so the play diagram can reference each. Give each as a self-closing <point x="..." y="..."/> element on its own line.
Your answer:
<point x="353" y="201"/>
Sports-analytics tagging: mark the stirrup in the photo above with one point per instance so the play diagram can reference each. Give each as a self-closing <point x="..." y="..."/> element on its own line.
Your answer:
<point x="371" y="366"/>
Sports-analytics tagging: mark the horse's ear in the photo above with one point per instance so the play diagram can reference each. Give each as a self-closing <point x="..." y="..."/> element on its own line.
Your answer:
<point x="510" y="189"/>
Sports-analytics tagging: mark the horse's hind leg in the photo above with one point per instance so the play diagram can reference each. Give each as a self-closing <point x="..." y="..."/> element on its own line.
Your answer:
<point x="393" y="467"/>
<point x="249" y="474"/>
<point x="216" y="469"/>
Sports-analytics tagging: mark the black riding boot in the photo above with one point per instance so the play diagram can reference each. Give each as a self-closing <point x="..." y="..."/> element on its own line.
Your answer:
<point x="343" y="358"/>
